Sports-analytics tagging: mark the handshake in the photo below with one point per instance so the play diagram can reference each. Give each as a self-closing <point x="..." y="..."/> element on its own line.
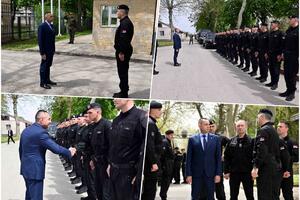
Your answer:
<point x="73" y="151"/>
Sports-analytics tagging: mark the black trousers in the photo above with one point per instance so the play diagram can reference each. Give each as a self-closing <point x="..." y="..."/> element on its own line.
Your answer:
<point x="235" y="54"/>
<point x="263" y="65"/>
<point x="274" y="68"/>
<point x="176" y="172"/>
<point x="10" y="138"/>
<point x="247" y="58"/>
<point x="90" y="180"/>
<point x="101" y="182"/>
<point x="235" y="180"/>
<point x="176" y="52"/>
<point x="166" y="178"/>
<point x="183" y="172"/>
<point x="267" y="183"/>
<point x="120" y="183"/>
<point x="254" y="62"/>
<point x="149" y="187"/>
<point x="220" y="192"/>
<point x="123" y="67"/>
<point x="287" y="185"/>
<point x="45" y="69"/>
<point x="291" y="69"/>
<point x="72" y="35"/>
<point x="241" y="54"/>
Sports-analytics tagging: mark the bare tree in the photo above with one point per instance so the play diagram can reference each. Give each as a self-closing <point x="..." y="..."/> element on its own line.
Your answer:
<point x="198" y="108"/>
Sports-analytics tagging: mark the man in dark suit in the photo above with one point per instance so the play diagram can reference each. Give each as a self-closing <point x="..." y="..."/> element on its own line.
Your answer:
<point x="176" y="46"/>
<point x="46" y="40"/>
<point x="10" y="135"/>
<point x="203" y="162"/>
<point x="34" y="142"/>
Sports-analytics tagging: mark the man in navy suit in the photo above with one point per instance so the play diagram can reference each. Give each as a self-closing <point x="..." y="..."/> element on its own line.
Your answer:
<point x="203" y="162"/>
<point x="46" y="40"/>
<point x="176" y="46"/>
<point x="34" y="142"/>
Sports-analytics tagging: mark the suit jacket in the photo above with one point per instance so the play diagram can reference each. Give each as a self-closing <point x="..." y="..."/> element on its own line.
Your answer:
<point x="206" y="162"/>
<point x="10" y="133"/>
<point x="176" y="41"/>
<point x="46" y="39"/>
<point x="34" y="142"/>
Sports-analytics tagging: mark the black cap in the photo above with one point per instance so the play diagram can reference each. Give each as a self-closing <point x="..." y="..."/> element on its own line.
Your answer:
<point x="266" y="111"/>
<point x="255" y="26"/>
<point x="211" y="121"/>
<point x="264" y="24"/>
<point x="123" y="7"/>
<point x="155" y="105"/>
<point x="275" y="22"/>
<point x="92" y="106"/>
<point x="293" y="16"/>
<point x="168" y="132"/>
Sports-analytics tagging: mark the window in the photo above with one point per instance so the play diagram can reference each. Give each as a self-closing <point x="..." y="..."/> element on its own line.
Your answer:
<point x="162" y="33"/>
<point x="109" y="16"/>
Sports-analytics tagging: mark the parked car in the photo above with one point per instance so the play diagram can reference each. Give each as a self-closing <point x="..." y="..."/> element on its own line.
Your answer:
<point x="209" y="41"/>
<point x="202" y="34"/>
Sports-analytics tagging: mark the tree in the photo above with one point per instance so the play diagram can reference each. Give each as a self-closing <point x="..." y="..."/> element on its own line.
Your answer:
<point x="4" y="103"/>
<point x="241" y="12"/>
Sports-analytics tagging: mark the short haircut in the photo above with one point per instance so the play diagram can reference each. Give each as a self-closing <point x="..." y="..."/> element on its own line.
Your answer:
<point x="287" y="124"/>
<point x="242" y="120"/>
<point x="267" y="116"/>
<point x="38" y="114"/>
<point x="168" y="132"/>
<point x="202" y="119"/>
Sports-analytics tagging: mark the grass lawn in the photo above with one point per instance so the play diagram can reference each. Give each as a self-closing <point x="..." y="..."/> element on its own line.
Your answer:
<point x="296" y="180"/>
<point x="29" y="43"/>
<point x="4" y="139"/>
<point x="164" y="43"/>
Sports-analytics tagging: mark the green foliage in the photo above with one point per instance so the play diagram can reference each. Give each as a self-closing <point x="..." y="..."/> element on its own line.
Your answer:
<point x="4" y="103"/>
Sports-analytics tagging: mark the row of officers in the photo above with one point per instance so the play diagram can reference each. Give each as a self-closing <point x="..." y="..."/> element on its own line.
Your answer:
<point x="268" y="158"/>
<point x="265" y="50"/>
<point x="109" y="155"/>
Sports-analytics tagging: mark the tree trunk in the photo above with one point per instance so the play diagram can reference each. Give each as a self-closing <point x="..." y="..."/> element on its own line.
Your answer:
<point x="70" y="103"/>
<point x="240" y="17"/>
<point x="221" y="127"/>
<point x="198" y="107"/>
<point x="170" y="11"/>
<point x="79" y="6"/>
<point x="230" y="121"/>
<point x="15" y="110"/>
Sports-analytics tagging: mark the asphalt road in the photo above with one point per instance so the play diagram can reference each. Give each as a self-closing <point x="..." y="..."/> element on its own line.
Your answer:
<point x="206" y="76"/>
<point x="76" y="75"/>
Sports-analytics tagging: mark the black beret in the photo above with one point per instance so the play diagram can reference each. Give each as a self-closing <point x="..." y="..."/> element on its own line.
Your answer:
<point x="93" y="105"/>
<point x="155" y="104"/>
<point x="266" y="111"/>
<point x="293" y="16"/>
<point x="255" y="26"/>
<point x="168" y="132"/>
<point x="275" y="22"/>
<point x="211" y="121"/>
<point x="264" y="24"/>
<point x="123" y="7"/>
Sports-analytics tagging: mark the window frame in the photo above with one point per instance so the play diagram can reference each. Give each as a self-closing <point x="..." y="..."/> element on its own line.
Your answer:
<point x="110" y="16"/>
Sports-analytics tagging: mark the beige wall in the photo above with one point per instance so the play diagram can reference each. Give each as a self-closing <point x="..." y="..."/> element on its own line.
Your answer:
<point x="141" y="14"/>
<point x="12" y="123"/>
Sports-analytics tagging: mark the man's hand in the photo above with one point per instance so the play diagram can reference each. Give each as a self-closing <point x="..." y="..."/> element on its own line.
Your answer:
<point x="92" y="165"/>
<point x="226" y="176"/>
<point x="108" y="170"/>
<point x="44" y="57"/>
<point x="254" y="173"/>
<point x="121" y="56"/>
<point x="73" y="151"/>
<point x="286" y="174"/>
<point x="279" y="58"/>
<point x="189" y="180"/>
<point x="154" y="168"/>
<point x="217" y="179"/>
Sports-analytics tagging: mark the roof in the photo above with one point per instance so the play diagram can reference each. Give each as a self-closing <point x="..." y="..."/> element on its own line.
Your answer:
<point x="19" y="118"/>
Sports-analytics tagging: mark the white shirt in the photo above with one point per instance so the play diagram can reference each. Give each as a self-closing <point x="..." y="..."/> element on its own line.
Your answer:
<point x="206" y="138"/>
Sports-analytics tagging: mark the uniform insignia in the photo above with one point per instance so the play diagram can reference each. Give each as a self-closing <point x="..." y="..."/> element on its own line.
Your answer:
<point x="124" y="31"/>
<point x="98" y="132"/>
<point x="127" y="128"/>
<point x="295" y="147"/>
<point x="152" y="134"/>
<point x="282" y="148"/>
<point x="240" y="145"/>
<point x="164" y="148"/>
<point x="262" y="139"/>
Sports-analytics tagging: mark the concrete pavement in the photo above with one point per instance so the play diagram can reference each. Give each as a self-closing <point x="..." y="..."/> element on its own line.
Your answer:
<point x="206" y="76"/>
<point x="76" y="75"/>
<point x="56" y="184"/>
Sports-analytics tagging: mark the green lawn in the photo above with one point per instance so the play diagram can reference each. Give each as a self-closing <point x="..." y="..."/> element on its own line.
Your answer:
<point x="4" y="139"/>
<point x="164" y="43"/>
<point x="29" y="43"/>
<point x="296" y="180"/>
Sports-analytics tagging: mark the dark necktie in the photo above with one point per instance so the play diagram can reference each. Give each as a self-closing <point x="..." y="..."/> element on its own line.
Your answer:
<point x="204" y="142"/>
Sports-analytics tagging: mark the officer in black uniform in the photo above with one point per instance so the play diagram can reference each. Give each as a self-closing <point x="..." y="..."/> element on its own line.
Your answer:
<point x="183" y="165"/>
<point x="123" y="37"/>
<point x="153" y="153"/>
<point x="263" y="44"/>
<point x="275" y="50"/>
<point x="99" y="143"/>
<point x="241" y="48"/>
<point x="291" y="58"/>
<point x="220" y="192"/>
<point x="126" y="147"/>
<point x="177" y="165"/>
<point x="238" y="162"/>
<point x="167" y="162"/>
<point x="266" y="157"/>
<point x="293" y="149"/>
<point x="247" y="50"/>
<point x="254" y="50"/>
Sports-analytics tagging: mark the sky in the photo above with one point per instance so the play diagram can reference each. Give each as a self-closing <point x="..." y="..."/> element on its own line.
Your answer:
<point x="181" y="21"/>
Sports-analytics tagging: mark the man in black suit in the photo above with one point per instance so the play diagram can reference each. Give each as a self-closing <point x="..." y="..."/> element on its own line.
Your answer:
<point x="10" y="135"/>
<point x="46" y="40"/>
